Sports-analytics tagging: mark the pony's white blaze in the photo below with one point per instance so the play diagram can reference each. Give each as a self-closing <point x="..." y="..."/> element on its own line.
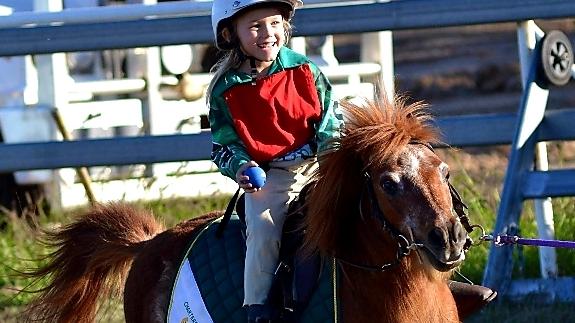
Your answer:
<point x="411" y="169"/>
<point x="412" y="166"/>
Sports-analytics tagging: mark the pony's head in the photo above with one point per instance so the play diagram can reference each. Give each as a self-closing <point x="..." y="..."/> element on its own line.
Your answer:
<point x="383" y="185"/>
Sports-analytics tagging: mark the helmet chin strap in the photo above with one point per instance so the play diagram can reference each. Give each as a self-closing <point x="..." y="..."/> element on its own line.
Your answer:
<point x="253" y="69"/>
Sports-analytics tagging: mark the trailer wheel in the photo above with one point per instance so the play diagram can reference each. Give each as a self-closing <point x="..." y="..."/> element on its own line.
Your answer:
<point x="556" y="58"/>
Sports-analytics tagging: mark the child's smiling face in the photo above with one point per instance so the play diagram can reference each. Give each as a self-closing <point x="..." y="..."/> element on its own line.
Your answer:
<point x="261" y="33"/>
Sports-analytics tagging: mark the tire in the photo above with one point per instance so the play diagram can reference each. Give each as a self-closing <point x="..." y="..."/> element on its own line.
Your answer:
<point x="556" y="58"/>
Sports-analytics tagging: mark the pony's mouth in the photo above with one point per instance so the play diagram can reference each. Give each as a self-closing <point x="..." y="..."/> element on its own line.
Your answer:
<point x="440" y="264"/>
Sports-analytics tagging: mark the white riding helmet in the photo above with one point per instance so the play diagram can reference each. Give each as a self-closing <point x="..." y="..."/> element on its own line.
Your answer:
<point x="223" y="10"/>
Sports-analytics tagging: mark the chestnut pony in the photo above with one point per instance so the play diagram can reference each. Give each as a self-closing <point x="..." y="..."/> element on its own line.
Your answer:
<point x="380" y="206"/>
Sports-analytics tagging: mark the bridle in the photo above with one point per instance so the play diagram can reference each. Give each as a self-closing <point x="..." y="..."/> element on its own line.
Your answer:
<point x="404" y="245"/>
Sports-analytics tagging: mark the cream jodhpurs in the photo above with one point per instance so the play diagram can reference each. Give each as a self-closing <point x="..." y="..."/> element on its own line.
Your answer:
<point x="266" y="211"/>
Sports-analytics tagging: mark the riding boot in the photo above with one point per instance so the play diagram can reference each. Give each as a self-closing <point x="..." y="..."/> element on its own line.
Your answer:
<point x="470" y="298"/>
<point x="259" y="313"/>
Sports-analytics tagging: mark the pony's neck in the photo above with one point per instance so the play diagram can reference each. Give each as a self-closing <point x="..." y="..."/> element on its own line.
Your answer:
<point x="402" y="294"/>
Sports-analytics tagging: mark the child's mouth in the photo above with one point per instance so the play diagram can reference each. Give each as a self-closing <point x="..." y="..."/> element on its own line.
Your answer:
<point x="267" y="45"/>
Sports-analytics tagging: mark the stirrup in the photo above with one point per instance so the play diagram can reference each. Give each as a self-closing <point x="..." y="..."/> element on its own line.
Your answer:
<point x="470" y="298"/>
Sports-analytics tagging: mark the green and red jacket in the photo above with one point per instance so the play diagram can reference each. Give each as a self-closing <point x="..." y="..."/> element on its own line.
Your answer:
<point x="287" y="109"/>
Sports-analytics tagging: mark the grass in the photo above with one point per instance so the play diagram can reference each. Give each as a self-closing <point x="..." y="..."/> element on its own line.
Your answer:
<point x="17" y="246"/>
<point x="479" y="188"/>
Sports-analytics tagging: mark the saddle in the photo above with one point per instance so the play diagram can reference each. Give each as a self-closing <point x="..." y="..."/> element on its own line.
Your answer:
<point x="297" y="274"/>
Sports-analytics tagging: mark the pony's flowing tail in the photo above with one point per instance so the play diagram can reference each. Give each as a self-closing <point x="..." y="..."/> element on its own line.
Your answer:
<point x="91" y="259"/>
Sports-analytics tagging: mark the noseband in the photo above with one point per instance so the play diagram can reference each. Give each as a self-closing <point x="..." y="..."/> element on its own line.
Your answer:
<point x="404" y="245"/>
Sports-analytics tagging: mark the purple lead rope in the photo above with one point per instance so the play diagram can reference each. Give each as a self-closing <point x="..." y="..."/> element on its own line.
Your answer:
<point x="507" y="240"/>
<point x="503" y="240"/>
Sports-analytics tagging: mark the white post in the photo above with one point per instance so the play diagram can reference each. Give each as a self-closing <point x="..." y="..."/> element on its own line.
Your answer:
<point x="544" y="217"/>
<point x="52" y="91"/>
<point x="151" y="107"/>
<point x="527" y="35"/>
<point x="298" y="45"/>
<point x="378" y="47"/>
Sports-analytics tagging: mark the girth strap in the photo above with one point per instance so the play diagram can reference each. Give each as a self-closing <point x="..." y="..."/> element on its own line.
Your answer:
<point x="227" y="214"/>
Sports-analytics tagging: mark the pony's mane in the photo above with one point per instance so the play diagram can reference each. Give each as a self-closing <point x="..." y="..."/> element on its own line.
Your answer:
<point x="373" y="135"/>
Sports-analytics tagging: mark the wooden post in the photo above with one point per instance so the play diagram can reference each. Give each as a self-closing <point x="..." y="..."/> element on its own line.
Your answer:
<point x="82" y="172"/>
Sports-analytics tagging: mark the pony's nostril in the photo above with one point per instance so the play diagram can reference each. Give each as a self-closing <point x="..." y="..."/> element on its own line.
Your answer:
<point x="459" y="234"/>
<point x="437" y="237"/>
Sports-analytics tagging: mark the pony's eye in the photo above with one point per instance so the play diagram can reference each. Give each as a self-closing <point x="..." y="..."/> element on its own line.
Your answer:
<point x="390" y="186"/>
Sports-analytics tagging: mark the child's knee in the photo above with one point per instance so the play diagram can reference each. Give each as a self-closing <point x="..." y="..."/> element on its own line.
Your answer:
<point x="269" y="237"/>
<point x="263" y="223"/>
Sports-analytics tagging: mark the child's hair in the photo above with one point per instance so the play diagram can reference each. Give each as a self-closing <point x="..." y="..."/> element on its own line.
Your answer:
<point x="233" y="58"/>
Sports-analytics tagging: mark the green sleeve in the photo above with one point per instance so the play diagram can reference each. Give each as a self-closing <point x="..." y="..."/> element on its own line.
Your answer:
<point x="228" y="151"/>
<point x="331" y="118"/>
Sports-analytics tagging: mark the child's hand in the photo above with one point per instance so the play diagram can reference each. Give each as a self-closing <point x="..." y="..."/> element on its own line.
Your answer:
<point x="243" y="180"/>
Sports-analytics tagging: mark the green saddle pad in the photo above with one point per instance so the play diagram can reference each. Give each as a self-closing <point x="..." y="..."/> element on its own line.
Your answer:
<point x="209" y="285"/>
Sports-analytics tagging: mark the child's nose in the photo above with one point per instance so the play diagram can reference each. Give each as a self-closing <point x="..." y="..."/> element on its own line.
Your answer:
<point x="268" y="31"/>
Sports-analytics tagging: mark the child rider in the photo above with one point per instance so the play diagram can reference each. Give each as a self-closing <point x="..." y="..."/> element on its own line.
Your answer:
<point x="269" y="107"/>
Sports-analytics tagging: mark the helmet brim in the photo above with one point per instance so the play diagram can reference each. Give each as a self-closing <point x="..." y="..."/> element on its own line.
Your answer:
<point x="287" y="10"/>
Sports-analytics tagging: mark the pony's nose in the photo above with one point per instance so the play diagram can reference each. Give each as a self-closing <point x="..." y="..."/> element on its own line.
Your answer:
<point x="442" y="238"/>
